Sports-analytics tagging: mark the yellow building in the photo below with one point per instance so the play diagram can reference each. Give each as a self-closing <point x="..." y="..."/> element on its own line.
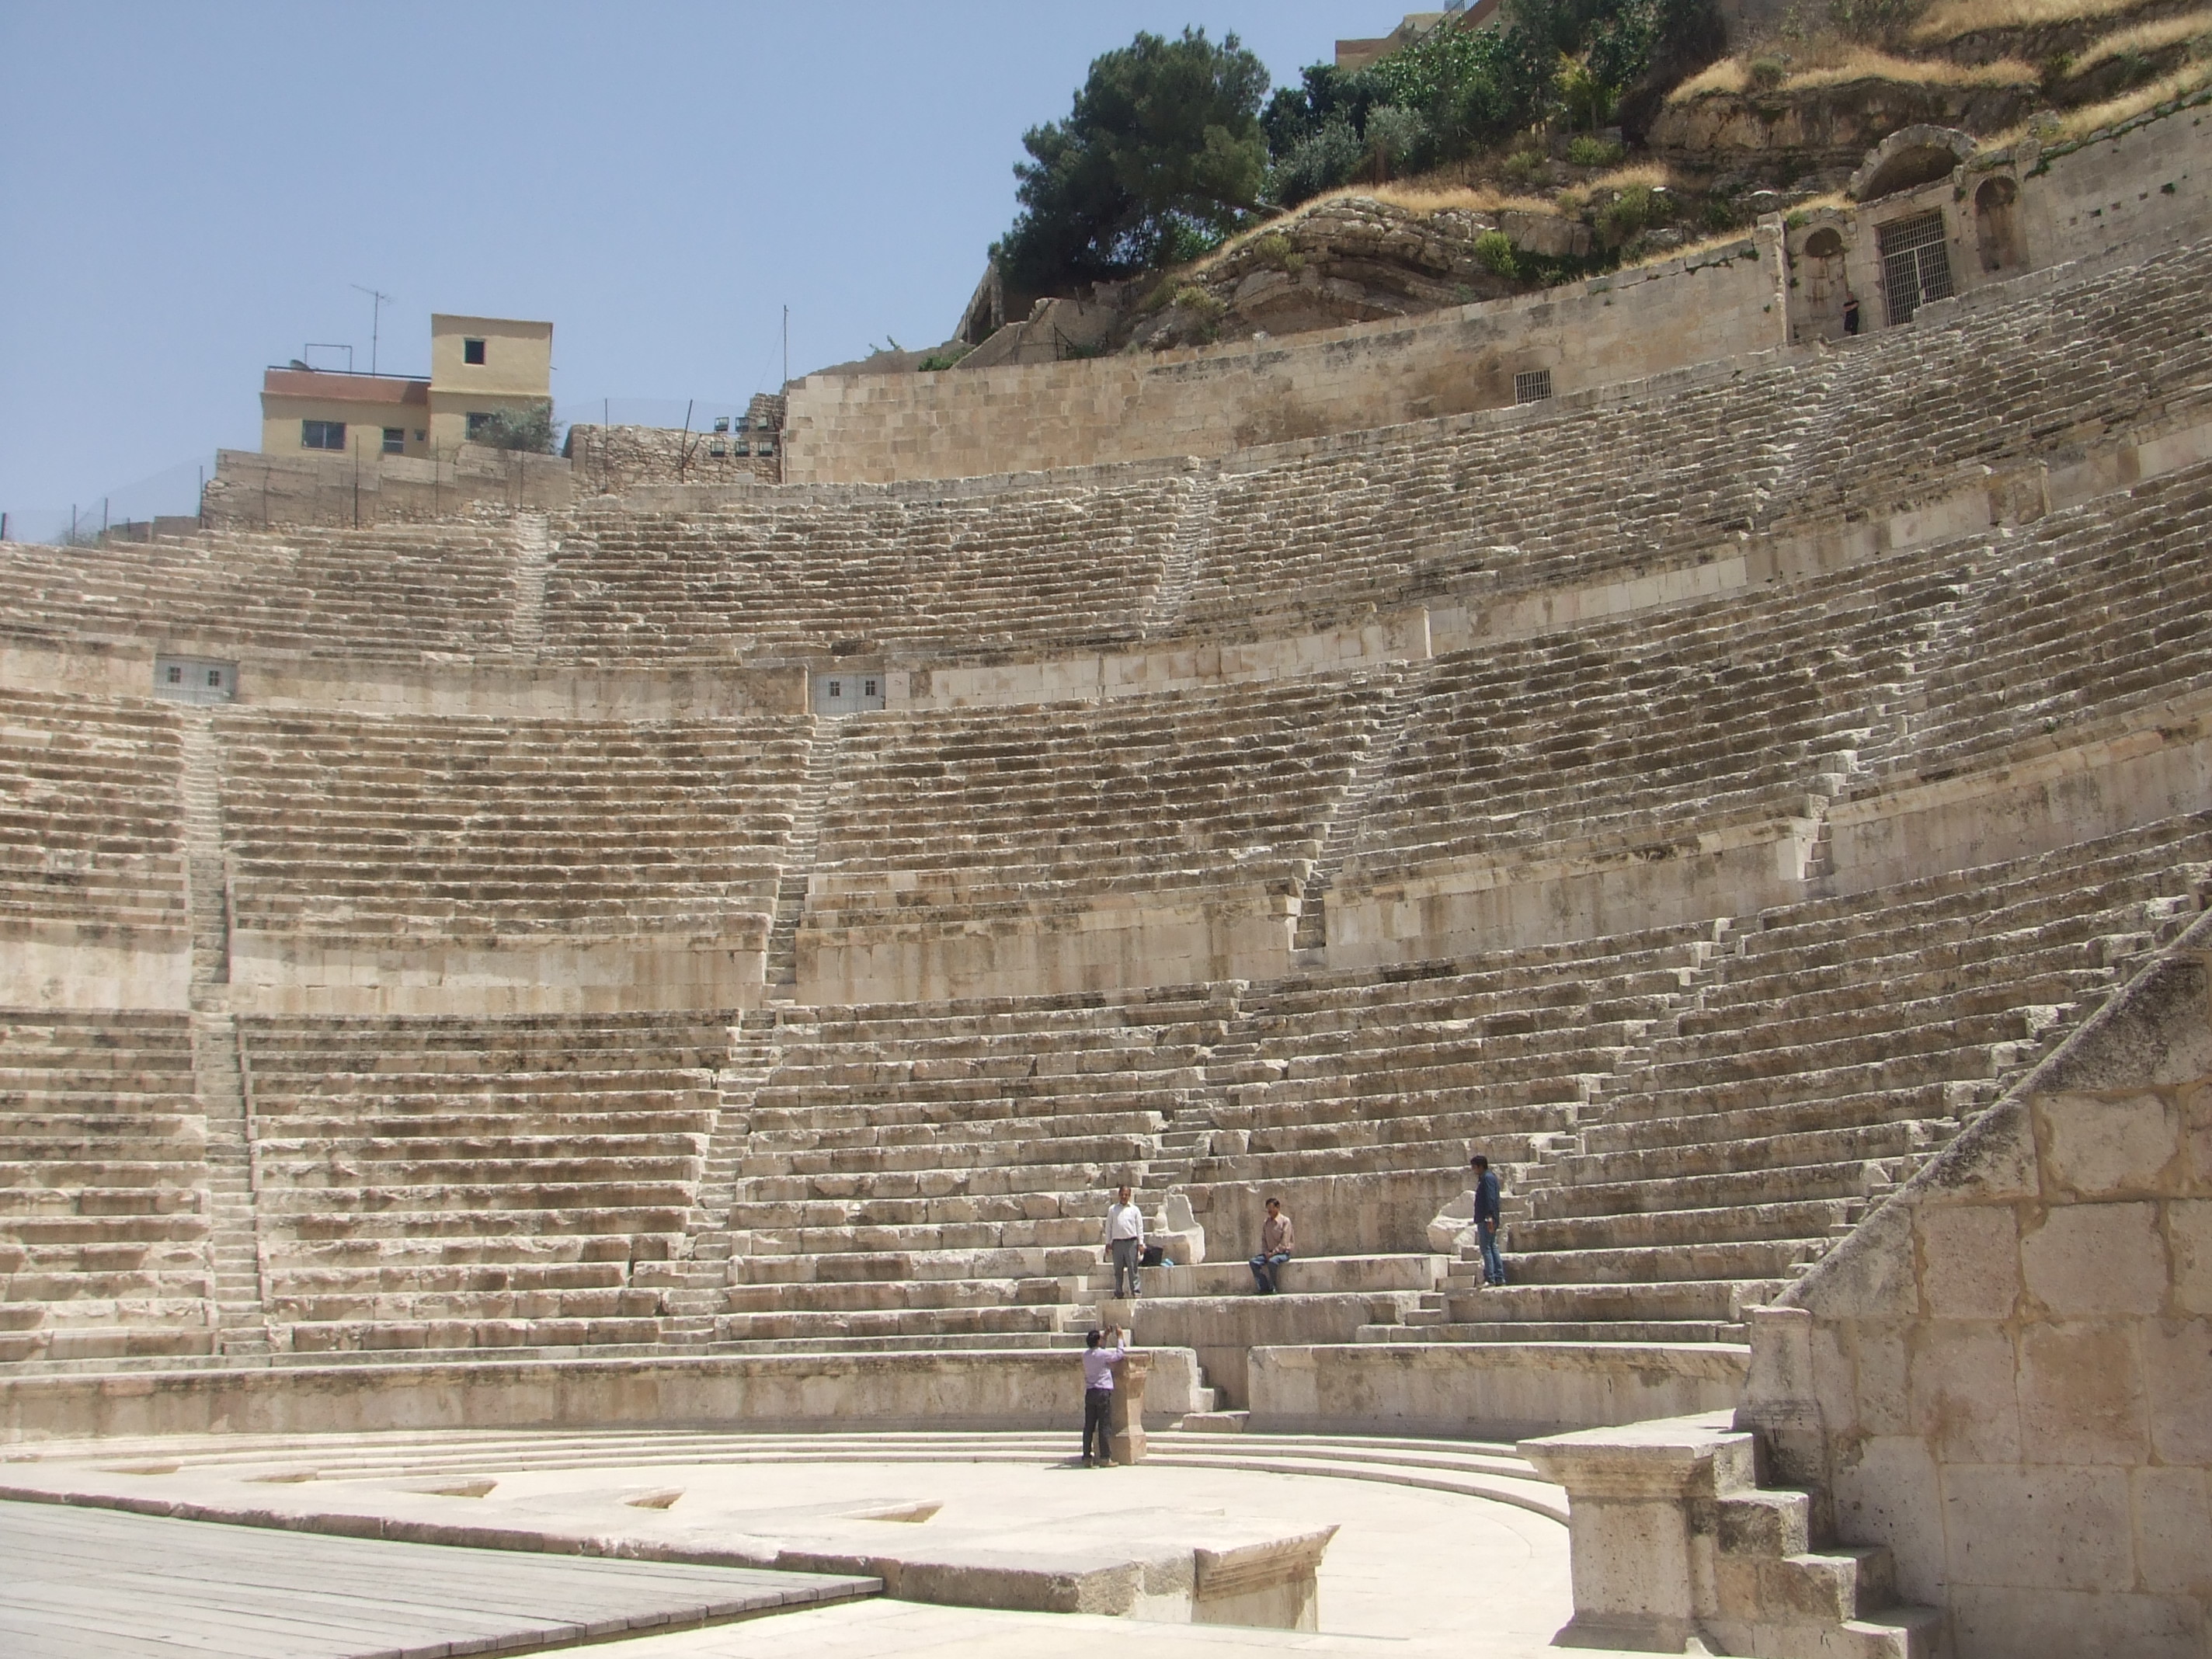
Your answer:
<point x="480" y="367"/>
<point x="333" y="411"/>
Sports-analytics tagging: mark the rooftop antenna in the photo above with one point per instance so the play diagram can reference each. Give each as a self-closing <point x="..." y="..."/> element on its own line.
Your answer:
<point x="786" y="345"/>
<point x="376" y="304"/>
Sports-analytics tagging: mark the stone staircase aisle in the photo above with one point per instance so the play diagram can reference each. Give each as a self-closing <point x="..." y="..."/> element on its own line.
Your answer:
<point x="533" y="548"/>
<point x="1193" y="534"/>
<point x="1309" y="943"/>
<point x="695" y="1283"/>
<point x="804" y="846"/>
<point x="237" y="1287"/>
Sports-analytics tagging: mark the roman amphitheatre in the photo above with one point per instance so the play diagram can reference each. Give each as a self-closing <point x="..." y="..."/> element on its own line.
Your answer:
<point x="566" y="1048"/>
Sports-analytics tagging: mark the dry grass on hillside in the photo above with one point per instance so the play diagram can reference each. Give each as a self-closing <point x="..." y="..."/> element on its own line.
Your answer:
<point x="1729" y="74"/>
<point x="2080" y="122"/>
<point x="1414" y="195"/>
<point x="1650" y="174"/>
<point x="2143" y="38"/>
<point x="1841" y="66"/>
<point x="1913" y="71"/>
<point x="1947" y="19"/>
<point x="1704" y="244"/>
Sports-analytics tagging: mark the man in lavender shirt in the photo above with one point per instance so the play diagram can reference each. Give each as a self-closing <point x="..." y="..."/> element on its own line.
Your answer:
<point x="1099" y="1392"/>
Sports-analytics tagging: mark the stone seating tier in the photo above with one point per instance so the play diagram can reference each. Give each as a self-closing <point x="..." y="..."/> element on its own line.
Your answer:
<point x="1500" y="507"/>
<point x="1672" y="471"/>
<point x="944" y="815"/>
<point x="911" y="1168"/>
<point x="908" y="577"/>
<point x="103" y="1187"/>
<point x="390" y="592"/>
<point x="1737" y="709"/>
<point x="1829" y="1053"/>
<point x="1350" y="1073"/>
<point x="91" y="820"/>
<point x="2091" y="614"/>
<point x="473" y="1183"/>
<point x="345" y="827"/>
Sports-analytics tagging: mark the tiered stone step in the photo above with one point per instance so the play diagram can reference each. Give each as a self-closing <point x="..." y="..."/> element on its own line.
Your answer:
<point x="1842" y="1043"/>
<point x="461" y="830"/>
<point x="465" y="1183"/>
<point x="924" y="1169"/>
<point x="945" y="575"/>
<point x="1402" y="1074"/>
<point x="954" y="817"/>
<point x="391" y="591"/>
<point x="91" y="822"/>
<point x="1497" y="506"/>
<point x="103" y="1187"/>
<point x="2092" y="614"/>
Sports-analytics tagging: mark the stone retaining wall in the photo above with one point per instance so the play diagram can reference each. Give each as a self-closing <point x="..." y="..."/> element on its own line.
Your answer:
<point x="2005" y="1375"/>
<point x="865" y="428"/>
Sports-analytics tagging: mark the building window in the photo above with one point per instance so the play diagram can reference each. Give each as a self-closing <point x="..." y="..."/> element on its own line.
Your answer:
<point x="322" y="434"/>
<point x="1915" y="266"/>
<point x="176" y="675"/>
<point x="1532" y="385"/>
<point x="477" y="422"/>
<point x="472" y="351"/>
<point x="395" y="440"/>
<point x="836" y="688"/>
<point x="868" y="689"/>
<point x="215" y="679"/>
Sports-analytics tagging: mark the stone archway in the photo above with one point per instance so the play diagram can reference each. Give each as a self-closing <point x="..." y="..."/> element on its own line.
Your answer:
<point x="1909" y="158"/>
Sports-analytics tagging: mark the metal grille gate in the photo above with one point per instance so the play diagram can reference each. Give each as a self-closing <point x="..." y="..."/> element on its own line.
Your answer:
<point x="1916" y="266"/>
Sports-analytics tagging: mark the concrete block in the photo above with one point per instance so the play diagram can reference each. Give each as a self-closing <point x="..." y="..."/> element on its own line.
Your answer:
<point x="1992" y="1623"/>
<point x="2172" y="1530"/>
<point x="2189" y="1236"/>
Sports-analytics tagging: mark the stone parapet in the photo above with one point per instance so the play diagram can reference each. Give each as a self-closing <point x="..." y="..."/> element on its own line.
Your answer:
<point x="917" y="1388"/>
<point x="1487" y="1391"/>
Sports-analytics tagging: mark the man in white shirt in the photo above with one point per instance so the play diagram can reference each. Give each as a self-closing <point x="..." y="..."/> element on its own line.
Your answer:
<point x="1098" y="1362"/>
<point x="1125" y="1242"/>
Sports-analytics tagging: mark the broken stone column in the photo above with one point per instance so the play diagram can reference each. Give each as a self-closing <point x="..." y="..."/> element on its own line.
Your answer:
<point x="1127" y="1423"/>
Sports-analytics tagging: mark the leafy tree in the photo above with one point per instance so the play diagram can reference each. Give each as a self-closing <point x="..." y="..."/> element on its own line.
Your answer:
<point x="1162" y="156"/>
<point x="1575" y="59"/>
<point x="530" y="429"/>
<point x="1319" y="161"/>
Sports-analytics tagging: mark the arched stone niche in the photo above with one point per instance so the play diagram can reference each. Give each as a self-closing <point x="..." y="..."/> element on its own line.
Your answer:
<point x="1909" y="158"/>
<point x="1996" y="224"/>
<point x="1818" y="270"/>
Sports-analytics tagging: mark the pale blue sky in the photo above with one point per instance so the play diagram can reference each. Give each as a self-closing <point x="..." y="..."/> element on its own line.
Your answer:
<point x="187" y="191"/>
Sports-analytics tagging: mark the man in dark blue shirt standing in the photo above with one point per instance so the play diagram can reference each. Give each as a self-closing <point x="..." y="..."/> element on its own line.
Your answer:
<point x="1486" y="1219"/>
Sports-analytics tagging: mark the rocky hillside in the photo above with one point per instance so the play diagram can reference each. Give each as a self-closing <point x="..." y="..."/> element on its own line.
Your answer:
<point x="1781" y="122"/>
